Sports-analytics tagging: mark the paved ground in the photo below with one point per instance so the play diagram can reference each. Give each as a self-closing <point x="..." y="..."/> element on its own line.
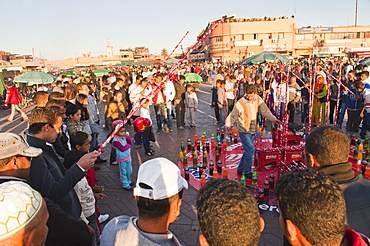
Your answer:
<point x="121" y="202"/>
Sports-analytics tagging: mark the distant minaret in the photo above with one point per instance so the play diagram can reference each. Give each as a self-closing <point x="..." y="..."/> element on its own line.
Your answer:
<point x="109" y="50"/>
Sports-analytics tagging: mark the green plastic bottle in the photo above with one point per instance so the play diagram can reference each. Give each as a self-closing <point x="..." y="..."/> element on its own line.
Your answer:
<point x="255" y="178"/>
<point x="243" y="180"/>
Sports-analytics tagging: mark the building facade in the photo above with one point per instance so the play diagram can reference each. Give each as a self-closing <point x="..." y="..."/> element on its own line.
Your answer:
<point x="238" y="38"/>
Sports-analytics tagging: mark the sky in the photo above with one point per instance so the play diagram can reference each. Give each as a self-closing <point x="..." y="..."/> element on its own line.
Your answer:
<point x="69" y="28"/>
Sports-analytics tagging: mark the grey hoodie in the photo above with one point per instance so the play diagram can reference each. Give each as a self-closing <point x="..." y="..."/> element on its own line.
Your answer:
<point x="123" y="231"/>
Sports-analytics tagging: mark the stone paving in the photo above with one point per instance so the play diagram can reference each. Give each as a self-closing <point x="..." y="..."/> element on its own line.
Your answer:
<point x="186" y="227"/>
<point x="121" y="202"/>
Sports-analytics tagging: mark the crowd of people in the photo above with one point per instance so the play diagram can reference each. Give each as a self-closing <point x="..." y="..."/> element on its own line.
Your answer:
<point x="72" y="118"/>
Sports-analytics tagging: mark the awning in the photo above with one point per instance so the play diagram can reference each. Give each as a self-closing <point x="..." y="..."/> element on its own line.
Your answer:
<point x="323" y="55"/>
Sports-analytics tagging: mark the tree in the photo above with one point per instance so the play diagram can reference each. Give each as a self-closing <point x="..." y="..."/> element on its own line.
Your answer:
<point x="164" y="52"/>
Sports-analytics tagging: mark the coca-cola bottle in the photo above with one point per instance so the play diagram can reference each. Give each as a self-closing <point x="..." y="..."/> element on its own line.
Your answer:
<point x="272" y="181"/>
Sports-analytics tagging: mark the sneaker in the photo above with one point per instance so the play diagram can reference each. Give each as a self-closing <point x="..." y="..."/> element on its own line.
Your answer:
<point x="170" y="129"/>
<point x="10" y="120"/>
<point x="149" y="153"/>
<point x="217" y="123"/>
<point x="129" y="188"/>
<point x="181" y="128"/>
<point x="152" y="150"/>
<point x="103" y="217"/>
<point x="159" y="131"/>
<point x="138" y="146"/>
<point x="114" y="163"/>
<point x="96" y="168"/>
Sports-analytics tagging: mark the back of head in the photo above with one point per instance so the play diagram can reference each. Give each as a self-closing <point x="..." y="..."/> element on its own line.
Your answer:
<point x="228" y="214"/>
<point x="329" y="145"/>
<point x="251" y="89"/>
<point x="41" y="98"/>
<point x="158" y="184"/>
<point x="314" y="203"/>
<point x="23" y="215"/>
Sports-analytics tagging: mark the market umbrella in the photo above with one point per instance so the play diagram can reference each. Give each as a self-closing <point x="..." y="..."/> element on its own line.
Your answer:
<point x="193" y="77"/>
<point x="69" y="73"/>
<point x="101" y="71"/>
<point x="365" y="61"/>
<point x="172" y="61"/>
<point x="265" y="56"/>
<point x="143" y="63"/>
<point x="35" y="77"/>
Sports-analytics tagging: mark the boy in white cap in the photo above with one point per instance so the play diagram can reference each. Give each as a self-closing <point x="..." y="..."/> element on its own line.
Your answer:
<point x="158" y="193"/>
<point x="23" y="215"/>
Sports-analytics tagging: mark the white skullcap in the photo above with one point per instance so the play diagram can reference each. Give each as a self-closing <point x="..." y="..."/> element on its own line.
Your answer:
<point x="19" y="204"/>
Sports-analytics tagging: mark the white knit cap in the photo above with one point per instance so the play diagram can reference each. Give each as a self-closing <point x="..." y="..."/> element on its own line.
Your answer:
<point x="163" y="176"/>
<point x="19" y="204"/>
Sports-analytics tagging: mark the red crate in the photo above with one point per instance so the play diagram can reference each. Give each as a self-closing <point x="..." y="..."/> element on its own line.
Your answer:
<point x="262" y="142"/>
<point x="292" y="139"/>
<point x="294" y="155"/>
<point x="267" y="161"/>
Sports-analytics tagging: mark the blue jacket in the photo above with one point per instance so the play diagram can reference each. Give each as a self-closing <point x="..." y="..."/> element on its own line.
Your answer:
<point x="352" y="102"/>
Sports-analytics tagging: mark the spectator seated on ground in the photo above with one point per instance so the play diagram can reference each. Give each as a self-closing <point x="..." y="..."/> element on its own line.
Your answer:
<point x="327" y="149"/>
<point x="313" y="210"/>
<point x="23" y="215"/>
<point x="228" y="214"/>
<point x="158" y="194"/>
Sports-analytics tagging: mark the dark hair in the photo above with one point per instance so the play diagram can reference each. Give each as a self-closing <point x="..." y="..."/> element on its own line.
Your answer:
<point x="314" y="203"/>
<point x="251" y="89"/>
<point x="78" y="138"/>
<point x="40" y="117"/>
<point x="56" y="103"/>
<point x="366" y="73"/>
<point x="228" y="213"/>
<point x="150" y="209"/>
<point x="72" y="109"/>
<point x="181" y="77"/>
<point x="359" y="85"/>
<point x="330" y="145"/>
<point x="72" y="157"/>
<point x="55" y="95"/>
<point x="79" y="100"/>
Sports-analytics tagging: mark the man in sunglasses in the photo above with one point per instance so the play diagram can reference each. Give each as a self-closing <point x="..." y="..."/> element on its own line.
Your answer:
<point x="47" y="173"/>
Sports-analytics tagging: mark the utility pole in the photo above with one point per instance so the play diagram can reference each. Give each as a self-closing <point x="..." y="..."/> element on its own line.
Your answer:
<point x="356" y="13"/>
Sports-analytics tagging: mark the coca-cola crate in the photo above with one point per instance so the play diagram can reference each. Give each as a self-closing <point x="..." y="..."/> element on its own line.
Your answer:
<point x="278" y="138"/>
<point x="267" y="161"/>
<point x="262" y="143"/>
<point x="294" y="155"/>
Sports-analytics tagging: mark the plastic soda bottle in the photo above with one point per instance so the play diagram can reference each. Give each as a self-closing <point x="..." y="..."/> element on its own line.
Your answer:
<point x="243" y="180"/>
<point x="260" y="196"/>
<point x="266" y="187"/>
<point x="255" y="177"/>
<point x="272" y="181"/>
<point x="195" y="163"/>
<point x="211" y="168"/>
<point x="219" y="166"/>
<point x="189" y="143"/>
<point x="225" y="172"/>
<point x="203" y="180"/>
<point x="186" y="170"/>
<point x="215" y="175"/>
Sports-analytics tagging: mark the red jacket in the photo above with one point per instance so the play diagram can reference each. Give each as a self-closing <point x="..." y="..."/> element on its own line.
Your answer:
<point x="155" y="97"/>
<point x="12" y="96"/>
<point x="356" y="239"/>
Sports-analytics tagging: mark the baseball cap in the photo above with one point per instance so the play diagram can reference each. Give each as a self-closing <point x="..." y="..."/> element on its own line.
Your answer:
<point x="19" y="204"/>
<point x="163" y="176"/>
<point x="12" y="144"/>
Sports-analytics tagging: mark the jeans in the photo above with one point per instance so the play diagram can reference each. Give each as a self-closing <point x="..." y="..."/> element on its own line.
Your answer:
<point x="245" y="165"/>
<point x="125" y="171"/>
<point x="160" y="114"/>
<point x="365" y="124"/>
<point x="342" y="111"/>
<point x="180" y="114"/>
<point x="223" y="115"/>
<point x="146" y="141"/>
<point x="92" y="223"/>
<point x="169" y="114"/>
